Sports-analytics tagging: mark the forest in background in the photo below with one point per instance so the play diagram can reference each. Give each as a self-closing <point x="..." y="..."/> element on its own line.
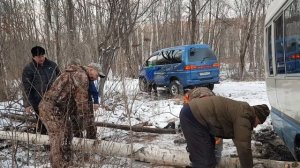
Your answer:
<point x="121" y="34"/>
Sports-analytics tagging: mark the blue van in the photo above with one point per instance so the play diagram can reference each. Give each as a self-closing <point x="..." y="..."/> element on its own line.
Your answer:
<point x="180" y="67"/>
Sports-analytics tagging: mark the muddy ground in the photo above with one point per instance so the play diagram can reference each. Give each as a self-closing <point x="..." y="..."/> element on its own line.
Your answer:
<point x="271" y="146"/>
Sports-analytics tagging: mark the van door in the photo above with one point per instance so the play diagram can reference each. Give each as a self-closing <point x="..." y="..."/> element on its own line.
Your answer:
<point x="160" y="71"/>
<point x="150" y="68"/>
<point x="168" y="63"/>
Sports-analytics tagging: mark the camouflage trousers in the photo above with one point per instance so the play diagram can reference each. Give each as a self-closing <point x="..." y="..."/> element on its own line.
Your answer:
<point x="60" y="130"/>
<point x="82" y="123"/>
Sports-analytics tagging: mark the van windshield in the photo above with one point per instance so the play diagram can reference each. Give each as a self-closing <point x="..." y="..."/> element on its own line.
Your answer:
<point x="201" y="54"/>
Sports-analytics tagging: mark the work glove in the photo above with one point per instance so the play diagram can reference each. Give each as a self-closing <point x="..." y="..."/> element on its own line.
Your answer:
<point x="96" y="107"/>
<point x="29" y="110"/>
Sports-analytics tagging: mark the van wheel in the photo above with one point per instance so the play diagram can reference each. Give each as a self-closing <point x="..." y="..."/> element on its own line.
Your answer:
<point x="143" y="84"/>
<point x="175" y="88"/>
<point x="211" y="86"/>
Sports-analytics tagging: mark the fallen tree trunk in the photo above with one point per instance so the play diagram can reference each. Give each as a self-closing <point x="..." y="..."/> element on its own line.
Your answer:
<point x="136" y="128"/>
<point x="19" y="117"/>
<point x="153" y="154"/>
<point x="100" y="124"/>
<point x="139" y="152"/>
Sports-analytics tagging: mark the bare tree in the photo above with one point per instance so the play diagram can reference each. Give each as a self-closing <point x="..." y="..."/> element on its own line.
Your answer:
<point x="115" y="32"/>
<point x="48" y="24"/>
<point x="71" y="29"/>
<point x="247" y="13"/>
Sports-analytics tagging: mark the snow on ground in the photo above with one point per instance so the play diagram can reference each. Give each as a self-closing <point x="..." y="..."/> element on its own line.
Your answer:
<point x="129" y="106"/>
<point x="158" y="112"/>
<point x="162" y="110"/>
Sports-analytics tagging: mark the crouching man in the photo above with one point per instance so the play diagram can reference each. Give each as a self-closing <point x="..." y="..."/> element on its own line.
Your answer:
<point x="67" y="97"/>
<point x="207" y="116"/>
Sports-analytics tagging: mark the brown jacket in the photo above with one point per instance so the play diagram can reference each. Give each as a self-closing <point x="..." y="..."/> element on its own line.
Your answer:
<point x="70" y="91"/>
<point x="227" y="118"/>
<point x="67" y="98"/>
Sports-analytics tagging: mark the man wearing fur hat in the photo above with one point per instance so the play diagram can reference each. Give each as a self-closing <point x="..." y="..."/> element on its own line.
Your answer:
<point x="207" y="116"/>
<point x="68" y="96"/>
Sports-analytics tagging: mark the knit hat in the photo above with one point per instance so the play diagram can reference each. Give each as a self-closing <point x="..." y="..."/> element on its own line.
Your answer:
<point x="262" y="112"/>
<point x="37" y="50"/>
<point x="97" y="67"/>
<point x="200" y="92"/>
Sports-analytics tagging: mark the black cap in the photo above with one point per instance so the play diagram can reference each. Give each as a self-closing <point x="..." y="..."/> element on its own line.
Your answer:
<point x="262" y="112"/>
<point x="37" y="50"/>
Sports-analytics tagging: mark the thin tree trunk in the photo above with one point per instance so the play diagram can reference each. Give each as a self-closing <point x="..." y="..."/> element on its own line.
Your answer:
<point x="48" y="21"/>
<point x="193" y="21"/>
<point x="71" y="28"/>
<point x="3" y="93"/>
<point x="57" y="35"/>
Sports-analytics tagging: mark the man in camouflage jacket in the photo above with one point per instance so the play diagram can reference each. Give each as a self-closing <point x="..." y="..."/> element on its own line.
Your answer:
<point x="67" y="97"/>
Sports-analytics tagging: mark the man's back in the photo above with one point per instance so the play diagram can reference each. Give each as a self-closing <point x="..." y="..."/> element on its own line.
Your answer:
<point x="227" y="118"/>
<point x="70" y="88"/>
<point x="220" y="114"/>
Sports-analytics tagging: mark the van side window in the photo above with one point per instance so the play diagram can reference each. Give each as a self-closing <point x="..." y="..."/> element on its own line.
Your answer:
<point x="151" y="61"/>
<point x="177" y="56"/>
<point x="269" y="49"/>
<point x="279" y="50"/>
<point x="292" y="37"/>
<point x="172" y="56"/>
<point x="161" y="60"/>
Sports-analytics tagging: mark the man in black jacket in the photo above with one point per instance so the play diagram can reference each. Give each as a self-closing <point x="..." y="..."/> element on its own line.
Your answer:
<point x="37" y="77"/>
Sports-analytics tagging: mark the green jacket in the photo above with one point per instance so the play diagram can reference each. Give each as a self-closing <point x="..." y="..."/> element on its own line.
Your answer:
<point x="227" y="118"/>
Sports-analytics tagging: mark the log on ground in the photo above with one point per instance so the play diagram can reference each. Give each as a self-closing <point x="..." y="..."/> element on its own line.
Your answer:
<point x="100" y="124"/>
<point x="152" y="154"/>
